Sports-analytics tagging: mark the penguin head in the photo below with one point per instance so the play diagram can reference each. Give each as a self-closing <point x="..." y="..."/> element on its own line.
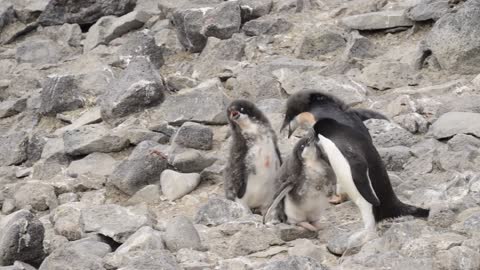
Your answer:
<point x="306" y="148"/>
<point x="245" y="115"/>
<point x="301" y="108"/>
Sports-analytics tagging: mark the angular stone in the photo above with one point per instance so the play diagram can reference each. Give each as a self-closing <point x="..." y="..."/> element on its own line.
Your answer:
<point x="320" y="42"/>
<point x="218" y="211"/>
<point x="92" y="138"/>
<point x="461" y="142"/>
<point x="145" y="260"/>
<point x="67" y="220"/>
<point x="141" y="168"/>
<point x="38" y="195"/>
<point x="289" y="232"/>
<point x="176" y="185"/>
<point x="377" y="20"/>
<point x="180" y="234"/>
<point x="395" y="157"/>
<point x="388" y="134"/>
<point x="185" y="105"/>
<point x="190" y="161"/>
<point x="268" y="25"/>
<point x="21" y="238"/>
<point x="453" y="123"/>
<point x="388" y="74"/>
<point x="252" y="9"/>
<point x="91" y="116"/>
<point x="13" y="148"/>
<point x="142" y="43"/>
<point x="144" y="239"/>
<point x="457" y="258"/>
<point x="255" y="84"/>
<point x="428" y="10"/>
<point x="359" y="46"/>
<point x="250" y="240"/>
<point x="114" y="221"/>
<point x="98" y="164"/>
<point x="222" y="21"/>
<point x="138" y="135"/>
<point x="139" y="87"/>
<point x="87" y="12"/>
<point x="60" y="93"/>
<point x="188" y="25"/>
<point x="193" y="135"/>
<point x="39" y="52"/>
<point x="455" y="39"/>
<point x="12" y="107"/>
<point x="149" y="194"/>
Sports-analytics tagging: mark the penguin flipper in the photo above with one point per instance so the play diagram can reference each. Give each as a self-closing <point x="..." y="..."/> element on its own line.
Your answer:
<point x="361" y="178"/>
<point x="277" y="200"/>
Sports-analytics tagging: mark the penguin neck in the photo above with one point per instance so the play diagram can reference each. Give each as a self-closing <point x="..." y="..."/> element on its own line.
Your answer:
<point x="325" y="110"/>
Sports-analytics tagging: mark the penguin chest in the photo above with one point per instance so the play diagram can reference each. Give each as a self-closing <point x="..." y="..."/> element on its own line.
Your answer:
<point x="309" y="209"/>
<point x="263" y="164"/>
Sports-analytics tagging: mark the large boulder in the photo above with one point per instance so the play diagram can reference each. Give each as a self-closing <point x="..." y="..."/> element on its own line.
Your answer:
<point x="139" y="87"/>
<point x="455" y="39"/>
<point x="21" y="238"/>
<point x="92" y="138"/>
<point x="86" y="12"/>
<point x="141" y="168"/>
<point x="38" y="195"/>
<point x="222" y="21"/>
<point x="180" y="234"/>
<point x="453" y="123"/>
<point x="141" y="43"/>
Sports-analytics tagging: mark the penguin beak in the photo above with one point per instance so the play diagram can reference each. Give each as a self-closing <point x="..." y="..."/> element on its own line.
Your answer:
<point x="292" y="126"/>
<point x="234" y="115"/>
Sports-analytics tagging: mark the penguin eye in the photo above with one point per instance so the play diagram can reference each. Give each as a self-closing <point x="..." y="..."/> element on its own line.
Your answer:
<point x="241" y="109"/>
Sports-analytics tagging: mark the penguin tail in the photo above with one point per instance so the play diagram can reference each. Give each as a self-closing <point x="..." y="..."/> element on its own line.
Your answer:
<point x="366" y="114"/>
<point x="410" y="210"/>
<point x="399" y="209"/>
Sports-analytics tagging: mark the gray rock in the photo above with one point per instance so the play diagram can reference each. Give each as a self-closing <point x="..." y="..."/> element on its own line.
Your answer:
<point x="454" y="39"/>
<point x="457" y="258"/>
<point x="388" y="74"/>
<point x="35" y="146"/>
<point x="250" y="240"/>
<point x="462" y="142"/>
<point x="21" y="238"/>
<point x="91" y="116"/>
<point x="52" y="165"/>
<point x="141" y="168"/>
<point x="428" y="10"/>
<point x="252" y="9"/>
<point x="289" y="233"/>
<point x="176" y="185"/>
<point x="139" y="87"/>
<point x="388" y="134"/>
<point x="109" y="28"/>
<point x="413" y="122"/>
<point x="359" y="46"/>
<point x="141" y="43"/>
<point x="377" y="20"/>
<point x="83" y="13"/>
<point x="18" y="266"/>
<point x="92" y="138"/>
<point x="293" y="263"/>
<point x="65" y="35"/>
<point x="178" y="82"/>
<point x="94" y="197"/>
<point x="149" y="194"/>
<point x="114" y="221"/>
<point x="181" y="233"/>
<point x="67" y="220"/>
<point x="193" y="259"/>
<point x="453" y="123"/>
<point x="222" y="21"/>
<point x="60" y="93"/>
<point x="77" y="255"/>
<point x="184" y="105"/>
<point x="67" y="198"/>
<point x="99" y="164"/>
<point x="145" y="260"/>
<point x="12" y="107"/>
<point x="268" y="25"/>
<point x="338" y="244"/>
<point x="218" y="211"/>
<point x="138" y="135"/>
<point x="14" y="148"/>
<point x="318" y="42"/>
<point x="395" y="157"/>
<point x="188" y="25"/>
<point x="38" y="195"/>
<point x="305" y="248"/>
<point x="441" y="216"/>
<point x="144" y="239"/>
<point x="193" y="135"/>
<point x="191" y="160"/>
<point x="43" y="51"/>
<point x="255" y="84"/>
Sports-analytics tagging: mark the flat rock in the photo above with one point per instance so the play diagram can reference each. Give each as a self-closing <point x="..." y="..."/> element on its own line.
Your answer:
<point x="191" y="160"/>
<point x="144" y="239"/>
<point x="453" y="123"/>
<point x="14" y="229"/>
<point x="377" y="20"/>
<point x="268" y="25"/>
<point x="43" y="51"/>
<point x="149" y="194"/>
<point x="141" y="168"/>
<point x="428" y="10"/>
<point x="181" y="233"/>
<point x="99" y="164"/>
<point x="113" y="221"/>
<point x="385" y="75"/>
<point x="218" y="211"/>
<point x="92" y="138"/>
<point x="388" y="134"/>
<point x="139" y="87"/>
<point x="60" y="93"/>
<point x="176" y="185"/>
<point x="194" y="135"/>
<point x="145" y="260"/>
<point x="38" y="195"/>
<point x="185" y="105"/>
<point x="250" y="240"/>
<point x="14" y="148"/>
<point x="455" y="38"/>
<point x="58" y="12"/>
<point x="12" y="107"/>
<point x="90" y="116"/>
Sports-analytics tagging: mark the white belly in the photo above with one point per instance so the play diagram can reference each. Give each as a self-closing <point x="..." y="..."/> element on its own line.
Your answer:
<point x="261" y="185"/>
<point x="310" y="209"/>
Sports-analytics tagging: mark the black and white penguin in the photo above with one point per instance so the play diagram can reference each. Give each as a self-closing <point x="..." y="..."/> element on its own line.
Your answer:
<point x="254" y="157"/>
<point x="361" y="172"/>
<point x="304" y="108"/>
<point x="302" y="186"/>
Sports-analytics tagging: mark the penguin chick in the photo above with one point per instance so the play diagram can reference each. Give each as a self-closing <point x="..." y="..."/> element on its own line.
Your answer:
<point x="360" y="170"/>
<point x="303" y="183"/>
<point x="304" y="108"/>
<point x="254" y="157"/>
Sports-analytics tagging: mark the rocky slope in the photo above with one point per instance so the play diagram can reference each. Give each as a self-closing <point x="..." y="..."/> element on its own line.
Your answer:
<point x="113" y="134"/>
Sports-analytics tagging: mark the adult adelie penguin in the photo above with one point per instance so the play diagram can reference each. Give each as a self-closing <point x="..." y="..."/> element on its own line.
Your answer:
<point x="361" y="172"/>
<point x="302" y="186"/>
<point x="304" y="108"/>
<point x="254" y="157"/>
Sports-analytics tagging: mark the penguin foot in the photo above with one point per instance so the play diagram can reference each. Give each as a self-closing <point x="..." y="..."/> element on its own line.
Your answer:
<point x="337" y="199"/>
<point x="317" y="224"/>
<point x="307" y="226"/>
